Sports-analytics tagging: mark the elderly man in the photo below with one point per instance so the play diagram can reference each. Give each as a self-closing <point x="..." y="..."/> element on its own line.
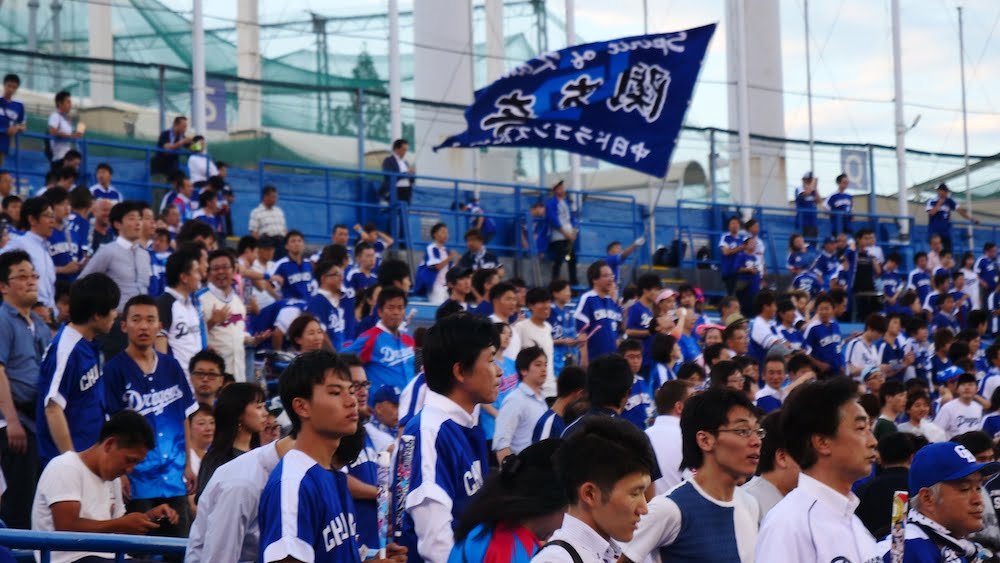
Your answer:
<point x="945" y="505"/>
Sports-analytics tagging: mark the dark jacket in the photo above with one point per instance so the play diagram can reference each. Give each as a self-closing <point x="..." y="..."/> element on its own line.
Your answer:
<point x="390" y="165"/>
<point x="875" y="510"/>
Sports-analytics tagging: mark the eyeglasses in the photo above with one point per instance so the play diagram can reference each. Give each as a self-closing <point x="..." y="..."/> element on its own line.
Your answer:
<point x="745" y="432"/>
<point x="222" y="268"/>
<point x="358" y="385"/>
<point x="24" y="277"/>
<point x="205" y="374"/>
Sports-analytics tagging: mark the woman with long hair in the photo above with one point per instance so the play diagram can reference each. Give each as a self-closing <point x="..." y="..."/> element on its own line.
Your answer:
<point x="516" y="510"/>
<point x="305" y="334"/>
<point x="240" y="416"/>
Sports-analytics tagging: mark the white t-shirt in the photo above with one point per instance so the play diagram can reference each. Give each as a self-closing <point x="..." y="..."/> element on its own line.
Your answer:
<point x="227" y="337"/>
<point x="263" y="298"/>
<point x="955" y="417"/>
<point x="764" y="491"/>
<point x="530" y="335"/>
<point x="67" y="479"/>
<point x="665" y="436"/>
<point x="62" y="124"/>
<point x="661" y="526"/>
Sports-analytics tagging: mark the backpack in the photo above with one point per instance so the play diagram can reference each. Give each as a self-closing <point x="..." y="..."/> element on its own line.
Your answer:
<point x="574" y="555"/>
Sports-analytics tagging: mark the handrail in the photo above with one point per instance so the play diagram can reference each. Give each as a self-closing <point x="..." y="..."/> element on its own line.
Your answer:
<point x="119" y="544"/>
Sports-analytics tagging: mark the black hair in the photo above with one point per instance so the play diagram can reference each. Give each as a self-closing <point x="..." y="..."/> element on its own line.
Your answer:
<point x="268" y="189"/>
<point x="525" y="357"/>
<point x="815" y="409"/>
<point x="474" y="233"/>
<point x="669" y="394"/>
<point x="622" y="448"/>
<point x="55" y="195"/>
<point x="648" y="281"/>
<point x="525" y="487"/>
<point x="975" y="441"/>
<point x="662" y="347"/>
<point x="763" y="299"/>
<point x="556" y="285"/>
<point x="480" y="277"/>
<point x="206" y="197"/>
<point x="388" y="293"/>
<point x="398" y="143"/>
<point x="293" y="233"/>
<point x="92" y="295"/>
<point x="12" y="199"/>
<point x="136" y="300"/>
<point x="721" y="371"/>
<point x="629" y="345"/>
<point x="350" y="447"/>
<point x="297" y="327"/>
<point x="890" y="388"/>
<point x="391" y="271"/>
<point x="537" y="295"/>
<point x="711" y="353"/>
<point x="594" y="271"/>
<point x="896" y="448"/>
<point x="180" y="262"/>
<point x="61" y="95"/>
<point x="689" y="370"/>
<point x="11" y="77"/>
<point x="797" y="362"/>
<point x="207" y="356"/>
<point x="455" y="340"/>
<point x="772" y="442"/>
<point x="497" y="291"/>
<point x="966" y="378"/>
<point x="80" y="198"/>
<point x="609" y="379"/>
<point x="129" y="429"/>
<point x="246" y="242"/>
<point x="120" y="210"/>
<point x="230" y="405"/>
<point x="959" y="350"/>
<point x="192" y="230"/>
<point x="305" y="372"/>
<point x="437" y="227"/>
<point x="448" y="308"/>
<point x="10" y="259"/>
<point x="706" y="412"/>
<point x="975" y="318"/>
<point x="33" y="207"/>
<point x="572" y="379"/>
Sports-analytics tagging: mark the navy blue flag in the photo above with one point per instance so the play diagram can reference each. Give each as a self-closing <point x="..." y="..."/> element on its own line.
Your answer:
<point x="622" y="101"/>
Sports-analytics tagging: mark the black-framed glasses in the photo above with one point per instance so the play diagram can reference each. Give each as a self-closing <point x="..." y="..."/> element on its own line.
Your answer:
<point x="205" y="374"/>
<point x="745" y="432"/>
<point x="358" y="385"/>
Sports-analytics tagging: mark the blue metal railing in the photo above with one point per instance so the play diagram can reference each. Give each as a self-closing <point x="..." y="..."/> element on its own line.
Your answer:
<point x="119" y="544"/>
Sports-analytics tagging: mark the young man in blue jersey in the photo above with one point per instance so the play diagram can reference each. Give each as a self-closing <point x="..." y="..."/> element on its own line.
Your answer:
<point x="986" y="268"/>
<point x="69" y="411"/>
<point x="730" y="243"/>
<point x="763" y="329"/>
<point x="442" y="455"/>
<point x="640" y="314"/>
<point x="891" y="283"/>
<point x="566" y="343"/>
<point x="306" y="512"/>
<point x="606" y="500"/>
<point x="945" y="317"/>
<point x="616" y="256"/>
<point x="569" y="390"/>
<point x="328" y="304"/>
<point x="919" y="278"/>
<point x="13" y="119"/>
<point x="154" y="385"/>
<point x="294" y="273"/>
<point x="840" y="205"/>
<point x="639" y="408"/>
<point x="61" y="248"/>
<point x="362" y="275"/>
<point x="477" y="257"/>
<point x="822" y="339"/>
<point x="721" y="440"/>
<point x="386" y="349"/>
<point x="597" y="312"/>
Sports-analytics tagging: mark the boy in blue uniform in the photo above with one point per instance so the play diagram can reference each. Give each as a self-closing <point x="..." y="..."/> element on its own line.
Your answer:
<point x="640" y="315"/>
<point x="939" y="212"/>
<point x="597" y="313"/>
<point x="442" y="455"/>
<point x="841" y="204"/>
<point x="986" y="267"/>
<point x="729" y="245"/>
<point x="78" y="223"/>
<point x="362" y="275"/>
<point x="563" y="323"/>
<point x="69" y="411"/>
<point x="823" y="340"/>
<point x="12" y="116"/>
<point x="827" y="262"/>
<point x="385" y="349"/>
<point x="616" y="256"/>
<point x="890" y="283"/>
<point x="639" y="408"/>
<point x="306" y="512"/>
<point x="293" y="272"/>
<point x="62" y="250"/>
<point x="154" y="385"/>
<point x="328" y="305"/>
<point x="919" y="279"/>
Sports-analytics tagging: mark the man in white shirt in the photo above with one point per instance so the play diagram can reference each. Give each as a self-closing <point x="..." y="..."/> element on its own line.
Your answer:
<point x="536" y="331"/>
<point x="523" y="406"/>
<point x="777" y="472"/>
<point x="81" y="491"/>
<point x="225" y="314"/>
<point x="61" y="127"/>
<point x="829" y="436"/>
<point x="721" y="445"/>
<point x="503" y="297"/>
<point x="200" y="165"/>
<point x="864" y="352"/>
<point x="267" y="219"/>
<point x="606" y="501"/>
<point x="38" y="217"/>
<point x="961" y="414"/>
<point x="665" y="433"/>
<point x="180" y="335"/>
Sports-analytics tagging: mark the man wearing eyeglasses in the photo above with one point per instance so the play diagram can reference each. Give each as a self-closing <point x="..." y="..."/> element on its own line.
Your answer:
<point x="207" y="371"/>
<point x="721" y="442"/>
<point x="23" y="340"/>
<point x="225" y="314"/>
<point x="37" y="222"/>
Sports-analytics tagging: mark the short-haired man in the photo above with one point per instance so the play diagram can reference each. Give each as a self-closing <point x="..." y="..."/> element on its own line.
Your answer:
<point x="606" y="499"/>
<point x="609" y="381"/>
<point x="597" y="313"/>
<point x="24" y="338"/>
<point x="640" y="314"/>
<point x="103" y="189"/>
<point x="946" y="506"/>
<point x="763" y="331"/>
<point x="665" y="432"/>
<point x="963" y="413"/>
<point x="13" y="119"/>
<point x="864" y="351"/>
<point x="154" y="385"/>
<point x="206" y="371"/>
<point x="173" y="139"/>
<point x="331" y="307"/>
<point x="477" y="257"/>
<point x="82" y="492"/>
<point x="771" y="395"/>
<point x="569" y="390"/>
<point x="225" y="314"/>
<point x="777" y="472"/>
<point x="386" y="349"/>
<point x="536" y="331"/>
<point x="180" y="335"/>
<point x="267" y="219"/>
<point x="293" y="272"/>
<point x="523" y="406"/>
<point x="442" y="455"/>
<point x="503" y="299"/>
<point x="363" y="274"/>
<point x="399" y="173"/>
<point x="459" y="280"/>
<point x="61" y="128"/>
<point x="70" y="412"/>
<point x="892" y="395"/>
<point x="829" y="436"/>
<point x="37" y="222"/>
<point x="822" y="339"/>
<point x="721" y="444"/>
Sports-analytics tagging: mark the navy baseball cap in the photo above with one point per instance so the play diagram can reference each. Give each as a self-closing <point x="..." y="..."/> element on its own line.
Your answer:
<point x="386" y="393"/>
<point x="947" y="374"/>
<point x="945" y="461"/>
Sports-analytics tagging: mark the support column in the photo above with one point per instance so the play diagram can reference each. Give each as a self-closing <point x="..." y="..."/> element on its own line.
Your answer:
<point x="395" y="74"/>
<point x="102" y="77"/>
<point x="198" y="69"/>
<point x="248" y="65"/>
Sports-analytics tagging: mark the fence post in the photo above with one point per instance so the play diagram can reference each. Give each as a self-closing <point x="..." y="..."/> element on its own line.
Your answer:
<point x="361" y="129"/>
<point x="163" y="98"/>
<point x="872" y="202"/>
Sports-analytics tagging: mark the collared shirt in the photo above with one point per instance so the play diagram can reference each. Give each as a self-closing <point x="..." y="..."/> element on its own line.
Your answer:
<point x="127" y="263"/>
<point x="520" y="411"/>
<point x="769" y="399"/>
<point x="181" y="324"/>
<point x="268" y="221"/>
<point x="665" y="436"/>
<point x="100" y="192"/>
<point x="227" y="337"/>
<point x="22" y="346"/>
<point x="38" y="250"/>
<point x="229" y="505"/>
<point x="591" y="547"/>
<point x="61" y="123"/>
<point x="815" y="523"/>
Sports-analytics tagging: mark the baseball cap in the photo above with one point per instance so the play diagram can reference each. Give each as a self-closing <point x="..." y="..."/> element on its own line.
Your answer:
<point x="944" y="461"/>
<point x="947" y="374"/>
<point x="666" y="294"/>
<point x="700" y="329"/>
<point x="868" y="372"/>
<point x="735" y="319"/>
<point x="386" y="393"/>
<point x="829" y="240"/>
<point x="457" y="273"/>
<point x="808" y="175"/>
<point x="274" y="406"/>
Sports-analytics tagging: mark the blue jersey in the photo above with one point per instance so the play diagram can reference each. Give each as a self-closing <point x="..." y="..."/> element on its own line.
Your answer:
<point x="805" y="208"/>
<point x="768" y="399"/>
<point x="808" y="282"/>
<point x="490" y="543"/>
<point x="891" y="283"/>
<point x="942" y="320"/>
<point x="639" y="318"/>
<point x="823" y="342"/>
<point x="892" y="355"/>
<point x="918" y="547"/>
<point x="442" y="455"/>
<point x="991" y="425"/>
<point x="489" y="227"/>
<point x="427" y="273"/>
<point x="707" y="527"/>
<point x="563" y="326"/>
<point x="793" y="336"/>
<point x="840" y="204"/>
<point x="639" y="408"/>
<point x="165" y="398"/>
<point x="826" y="265"/>
<point x="920" y="281"/>
<point x="601" y="317"/>
<point x="62" y="251"/>
<point x="365" y="469"/>
<point x="986" y="269"/>
<point x="70" y="377"/>
<point x="307" y="513"/>
<point x="78" y="228"/>
<point x="729" y="242"/>
<point x="388" y="359"/>
<point x="549" y="425"/>
<point x="331" y="317"/>
<point x="158" y="272"/>
<point x="690" y="350"/>
<point x="798" y="261"/>
<point x="100" y="192"/>
<point x="614" y="262"/>
<point x="359" y="281"/>
<point x="993" y="305"/>
<point x="939" y="223"/>
<point x="11" y="113"/>
<point x="298" y="282"/>
<point x="752" y="280"/>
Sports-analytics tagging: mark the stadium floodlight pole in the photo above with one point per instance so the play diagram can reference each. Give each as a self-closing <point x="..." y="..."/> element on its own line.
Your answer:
<point x="574" y="159"/>
<point x="965" y="131"/>
<point x="395" y="78"/>
<point x="809" y="90"/>
<point x="198" y="68"/>
<point x="897" y="75"/>
<point x="743" y="102"/>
